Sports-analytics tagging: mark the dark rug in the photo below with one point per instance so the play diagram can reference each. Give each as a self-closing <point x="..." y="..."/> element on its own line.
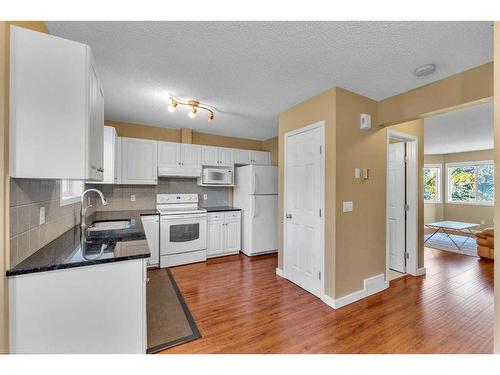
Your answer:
<point x="170" y="322"/>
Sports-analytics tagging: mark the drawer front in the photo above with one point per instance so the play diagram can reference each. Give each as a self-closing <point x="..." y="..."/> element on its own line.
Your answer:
<point x="216" y="216"/>
<point x="232" y="215"/>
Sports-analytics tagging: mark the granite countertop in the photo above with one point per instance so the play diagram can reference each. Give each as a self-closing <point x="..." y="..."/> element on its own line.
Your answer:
<point x="221" y="208"/>
<point x="67" y="251"/>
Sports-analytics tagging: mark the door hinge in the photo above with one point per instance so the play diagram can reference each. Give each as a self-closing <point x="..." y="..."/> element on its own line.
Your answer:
<point x="320" y="149"/>
<point x="320" y="212"/>
<point x="407" y="207"/>
<point x="407" y="255"/>
<point x="319" y="275"/>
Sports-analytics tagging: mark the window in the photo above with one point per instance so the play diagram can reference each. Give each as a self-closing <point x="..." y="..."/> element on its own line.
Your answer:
<point x="71" y="191"/>
<point x="432" y="183"/>
<point x="471" y="183"/>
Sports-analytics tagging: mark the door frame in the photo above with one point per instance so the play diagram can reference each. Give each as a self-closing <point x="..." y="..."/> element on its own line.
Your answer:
<point x="320" y="125"/>
<point x="411" y="224"/>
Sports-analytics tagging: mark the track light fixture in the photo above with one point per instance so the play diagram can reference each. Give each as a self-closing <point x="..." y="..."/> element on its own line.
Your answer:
<point x="194" y="105"/>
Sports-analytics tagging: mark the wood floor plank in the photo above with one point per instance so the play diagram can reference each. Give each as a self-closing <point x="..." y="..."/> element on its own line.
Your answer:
<point x="241" y="306"/>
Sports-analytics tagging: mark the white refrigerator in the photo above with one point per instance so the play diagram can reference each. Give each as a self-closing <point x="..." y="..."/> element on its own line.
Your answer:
<point x="256" y="193"/>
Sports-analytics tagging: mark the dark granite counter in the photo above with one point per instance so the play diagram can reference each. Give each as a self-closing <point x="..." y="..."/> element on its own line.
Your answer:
<point x="221" y="209"/>
<point x="68" y="251"/>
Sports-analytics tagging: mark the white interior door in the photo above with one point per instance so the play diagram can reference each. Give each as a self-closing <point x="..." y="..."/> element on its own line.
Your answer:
<point x="303" y="179"/>
<point x="396" y="205"/>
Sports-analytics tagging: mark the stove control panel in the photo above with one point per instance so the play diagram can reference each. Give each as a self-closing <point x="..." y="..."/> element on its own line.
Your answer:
<point x="176" y="198"/>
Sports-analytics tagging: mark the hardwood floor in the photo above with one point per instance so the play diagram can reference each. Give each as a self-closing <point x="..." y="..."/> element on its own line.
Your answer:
<point x="241" y="306"/>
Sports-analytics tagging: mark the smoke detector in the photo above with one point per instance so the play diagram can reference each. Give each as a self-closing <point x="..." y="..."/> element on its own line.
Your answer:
<point x="425" y="70"/>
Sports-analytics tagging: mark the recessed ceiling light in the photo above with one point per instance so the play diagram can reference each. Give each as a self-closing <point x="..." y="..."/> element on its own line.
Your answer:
<point x="425" y="70"/>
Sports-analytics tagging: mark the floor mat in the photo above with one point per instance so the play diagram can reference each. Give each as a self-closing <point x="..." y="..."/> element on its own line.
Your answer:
<point x="169" y="320"/>
<point x="441" y="242"/>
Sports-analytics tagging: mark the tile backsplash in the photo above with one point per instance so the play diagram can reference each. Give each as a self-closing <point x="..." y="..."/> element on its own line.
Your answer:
<point x="26" y="233"/>
<point x="119" y="196"/>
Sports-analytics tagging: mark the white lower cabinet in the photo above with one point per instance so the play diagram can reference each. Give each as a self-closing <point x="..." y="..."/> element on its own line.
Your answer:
<point x="151" y="225"/>
<point x="99" y="309"/>
<point x="223" y="233"/>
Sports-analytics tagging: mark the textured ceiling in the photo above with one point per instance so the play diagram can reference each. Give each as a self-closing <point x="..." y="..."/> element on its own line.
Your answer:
<point x="468" y="129"/>
<point x="252" y="71"/>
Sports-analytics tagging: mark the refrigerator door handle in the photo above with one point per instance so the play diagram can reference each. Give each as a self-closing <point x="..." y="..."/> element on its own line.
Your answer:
<point x="253" y="182"/>
<point x="253" y="206"/>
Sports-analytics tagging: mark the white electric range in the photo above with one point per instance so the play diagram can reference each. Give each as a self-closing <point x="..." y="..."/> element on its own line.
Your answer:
<point x="183" y="229"/>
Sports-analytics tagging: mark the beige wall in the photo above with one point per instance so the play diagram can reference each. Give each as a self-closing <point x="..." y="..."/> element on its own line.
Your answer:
<point x="4" y="182"/>
<point x="462" y="89"/>
<point x="458" y="212"/>
<point x="272" y="145"/>
<point x="360" y="235"/>
<point x="496" y="121"/>
<point x="318" y="108"/>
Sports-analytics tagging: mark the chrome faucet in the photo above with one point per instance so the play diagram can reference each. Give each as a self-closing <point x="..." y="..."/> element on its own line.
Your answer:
<point x="83" y="208"/>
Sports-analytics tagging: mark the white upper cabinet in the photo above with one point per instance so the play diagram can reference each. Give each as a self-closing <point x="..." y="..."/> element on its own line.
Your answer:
<point x="139" y="161"/>
<point x="260" y="157"/>
<point x="110" y="141"/>
<point x="190" y="155"/>
<point x="242" y="156"/>
<point x="118" y="160"/>
<point x="56" y="108"/>
<point x="217" y="156"/>
<point x="210" y="155"/>
<point x="179" y="159"/>
<point x="226" y="157"/>
<point x="169" y="154"/>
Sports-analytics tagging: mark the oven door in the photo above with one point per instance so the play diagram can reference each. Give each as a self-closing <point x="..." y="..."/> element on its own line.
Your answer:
<point x="183" y="233"/>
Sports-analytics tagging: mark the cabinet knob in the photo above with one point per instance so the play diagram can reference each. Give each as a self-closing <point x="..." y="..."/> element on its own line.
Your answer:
<point x="100" y="169"/>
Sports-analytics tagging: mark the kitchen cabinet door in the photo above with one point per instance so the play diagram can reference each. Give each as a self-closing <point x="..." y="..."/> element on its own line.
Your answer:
<point x="210" y="155"/>
<point x="151" y="225"/>
<point x="109" y="156"/>
<point x="96" y="128"/>
<point x="241" y="156"/>
<point x="226" y="157"/>
<point x="118" y="160"/>
<point x="139" y="161"/>
<point x="261" y="157"/>
<point x="190" y="155"/>
<point x="232" y="236"/>
<point x="215" y="238"/>
<point x="169" y="154"/>
<point x="56" y="108"/>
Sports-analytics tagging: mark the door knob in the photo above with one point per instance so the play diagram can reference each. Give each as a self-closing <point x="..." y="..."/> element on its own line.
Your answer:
<point x="288" y="216"/>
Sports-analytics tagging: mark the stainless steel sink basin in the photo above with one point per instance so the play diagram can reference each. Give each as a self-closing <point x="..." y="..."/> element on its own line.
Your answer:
<point x="110" y="225"/>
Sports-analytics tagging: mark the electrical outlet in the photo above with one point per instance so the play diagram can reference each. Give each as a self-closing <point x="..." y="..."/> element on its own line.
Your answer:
<point x="483" y="222"/>
<point x="132" y="197"/>
<point x="205" y="197"/>
<point x="42" y="215"/>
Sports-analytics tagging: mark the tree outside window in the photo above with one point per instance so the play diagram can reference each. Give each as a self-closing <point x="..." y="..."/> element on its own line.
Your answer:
<point x="471" y="183"/>
<point x="432" y="183"/>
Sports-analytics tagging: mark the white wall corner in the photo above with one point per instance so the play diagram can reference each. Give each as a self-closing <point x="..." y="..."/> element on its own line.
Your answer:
<point x="421" y="271"/>
<point x="372" y="285"/>
<point x="279" y="272"/>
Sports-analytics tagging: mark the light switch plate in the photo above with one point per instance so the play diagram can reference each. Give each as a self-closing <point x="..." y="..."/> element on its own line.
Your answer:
<point x="357" y="173"/>
<point x="205" y="197"/>
<point x="483" y="222"/>
<point x="132" y="197"/>
<point x="42" y="215"/>
<point x="347" y="206"/>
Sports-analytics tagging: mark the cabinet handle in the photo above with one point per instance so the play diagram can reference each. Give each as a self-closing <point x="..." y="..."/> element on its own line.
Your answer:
<point x="100" y="169"/>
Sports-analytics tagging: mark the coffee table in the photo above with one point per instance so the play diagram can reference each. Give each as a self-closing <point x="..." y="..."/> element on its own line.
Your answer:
<point x="456" y="226"/>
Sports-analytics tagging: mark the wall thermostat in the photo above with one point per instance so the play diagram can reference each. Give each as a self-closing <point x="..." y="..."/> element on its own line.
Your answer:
<point x="365" y="121"/>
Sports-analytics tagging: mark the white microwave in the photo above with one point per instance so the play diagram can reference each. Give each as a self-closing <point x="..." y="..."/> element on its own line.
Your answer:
<point x="217" y="176"/>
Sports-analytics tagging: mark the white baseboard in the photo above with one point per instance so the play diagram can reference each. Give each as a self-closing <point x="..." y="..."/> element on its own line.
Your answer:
<point x="421" y="271"/>
<point x="372" y="285"/>
<point x="279" y="272"/>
